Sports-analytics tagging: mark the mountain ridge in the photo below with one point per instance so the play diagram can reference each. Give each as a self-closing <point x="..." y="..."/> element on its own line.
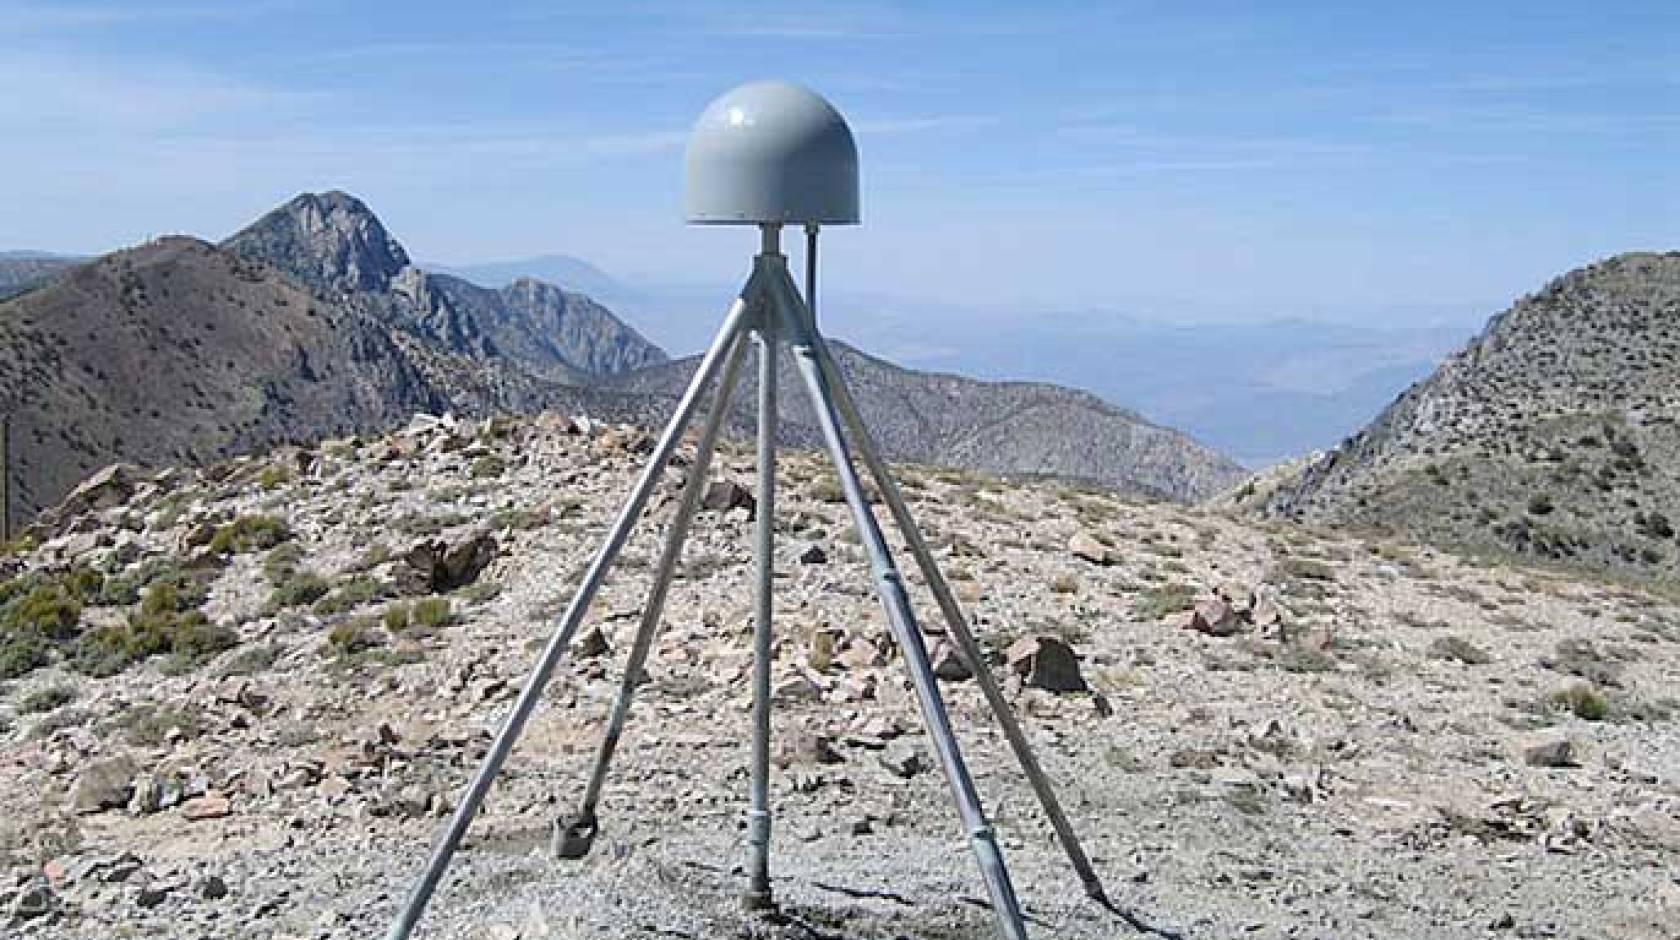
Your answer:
<point x="1552" y="434"/>
<point x="314" y="321"/>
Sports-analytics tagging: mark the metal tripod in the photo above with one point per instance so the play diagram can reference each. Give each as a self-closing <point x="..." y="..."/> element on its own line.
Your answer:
<point x="770" y="308"/>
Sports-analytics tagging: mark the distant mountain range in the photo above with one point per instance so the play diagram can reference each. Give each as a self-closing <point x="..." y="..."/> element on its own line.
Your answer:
<point x="1012" y="428"/>
<point x="1555" y="434"/>
<point x="1259" y="391"/>
<point x="313" y="321"/>
<point x="23" y="270"/>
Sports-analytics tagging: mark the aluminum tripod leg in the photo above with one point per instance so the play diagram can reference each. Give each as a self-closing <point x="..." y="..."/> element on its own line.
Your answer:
<point x="573" y="837"/>
<point x="450" y="840"/>
<point x="896" y="602"/>
<point x="958" y="626"/>
<point x="758" y="896"/>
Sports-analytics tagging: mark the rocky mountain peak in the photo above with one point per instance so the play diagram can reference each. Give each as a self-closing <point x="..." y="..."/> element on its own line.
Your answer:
<point x="331" y="241"/>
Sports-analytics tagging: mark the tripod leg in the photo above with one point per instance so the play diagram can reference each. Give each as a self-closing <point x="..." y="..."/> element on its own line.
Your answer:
<point x="573" y="837"/>
<point x="540" y="673"/>
<point x="896" y="602"/>
<point x="958" y="626"/>
<point x="758" y="895"/>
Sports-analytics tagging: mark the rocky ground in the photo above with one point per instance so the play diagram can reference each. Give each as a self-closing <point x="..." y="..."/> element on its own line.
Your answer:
<point x="239" y="700"/>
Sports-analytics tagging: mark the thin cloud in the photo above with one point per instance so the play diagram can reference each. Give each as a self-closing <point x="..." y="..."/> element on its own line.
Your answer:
<point x="81" y="93"/>
<point x="38" y="17"/>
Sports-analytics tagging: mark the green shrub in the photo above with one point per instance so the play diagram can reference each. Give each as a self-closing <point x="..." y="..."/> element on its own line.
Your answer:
<point x="431" y="612"/>
<point x="377" y="554"/>
<point x="281" y="561"/>
<point x="187" y="634"/>
<point x="149" y="724"/>
<point x="485" y="468"/>
<point x="1586" y="702"/>
<point x="249" y="534"/>
<point x="20" y="655"/>
<point x="297" y="589"/>
<point x="84" y="584"/>
<point x="350" y="594"/>
<point x="47" y="611"/>
<point x="1305" y="659"/>
<point x="1308" y="569"/>
<point x="173" y="593"/>
<point x="1460" y="649"/>
<point x="119" y="591"/>
<point x="274" y="476"/>
<point x="252" y="660"/>
<point x="395" y="618"/>
<point x="480" y="591"/>
<point x="45" y="700"/>
<point x="354" y="636"/>
<point x="1158" y="602"/>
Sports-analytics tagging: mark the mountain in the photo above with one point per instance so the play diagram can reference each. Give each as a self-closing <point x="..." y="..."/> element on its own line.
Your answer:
<point x="313" y="321"/>
<point x="310" y="322"/>
<point x="177" y="352"/>
<point x="1018" y="428"/>
<point x="24" y="270"/>
<point x="336" y="245"/>
<point x="572" y="273"/>
<point x="1551" y="435"/>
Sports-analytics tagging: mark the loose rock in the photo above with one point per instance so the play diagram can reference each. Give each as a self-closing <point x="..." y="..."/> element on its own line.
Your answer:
<point x="103" y="785"/>
<point x="1045" y="662"/>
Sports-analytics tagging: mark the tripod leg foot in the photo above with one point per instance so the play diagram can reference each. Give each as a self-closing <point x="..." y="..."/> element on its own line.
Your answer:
<point x="574" y="836"/>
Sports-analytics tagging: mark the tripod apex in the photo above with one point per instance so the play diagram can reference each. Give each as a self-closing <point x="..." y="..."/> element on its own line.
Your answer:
<point x="771" y="152"/>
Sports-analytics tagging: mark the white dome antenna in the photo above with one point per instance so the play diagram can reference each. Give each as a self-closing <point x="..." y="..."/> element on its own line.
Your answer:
<point x="771" y="152"/>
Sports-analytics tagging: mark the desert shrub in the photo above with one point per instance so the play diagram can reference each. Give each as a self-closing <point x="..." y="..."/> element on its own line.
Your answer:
<point x="84" y="584"/>
<point x="377" y="554"/>
<point x="249" y="534"/>
<point x="47" y="611"/>
<point x="117" y="591"/>
<point x="1540" y="504"/>
<point x="22" y="654"/>
<point x="1581" y="658"/>
<point x="480" y="591"/>
<point x="1159" y="601"/>
<point x="826" y="490"/>
<point x="486" y="468"/>
<point x="45" y="700"/>
<point x="1460" y="649"/>
<point x="274" y="476"/>
<point x="1304" y="659"/>
<point x="1065" y="584"/>
<point x="431" y="612"/>
<point x="252" y="660"/>
<point x="395" y="618"/>
<point x="354" y="636"/>
<point x="1308" y="569"/>
<point x="281" y="561"/>
<point x="149" y="724"/>
<point x="1586" y="702"/>
<point x="350" y="594"/>
<point x="188" y="635"/>
<point x="296" y="589"/>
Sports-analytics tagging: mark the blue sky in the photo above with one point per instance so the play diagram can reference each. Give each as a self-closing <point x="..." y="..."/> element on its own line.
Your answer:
<point x="1360" y="162"/>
